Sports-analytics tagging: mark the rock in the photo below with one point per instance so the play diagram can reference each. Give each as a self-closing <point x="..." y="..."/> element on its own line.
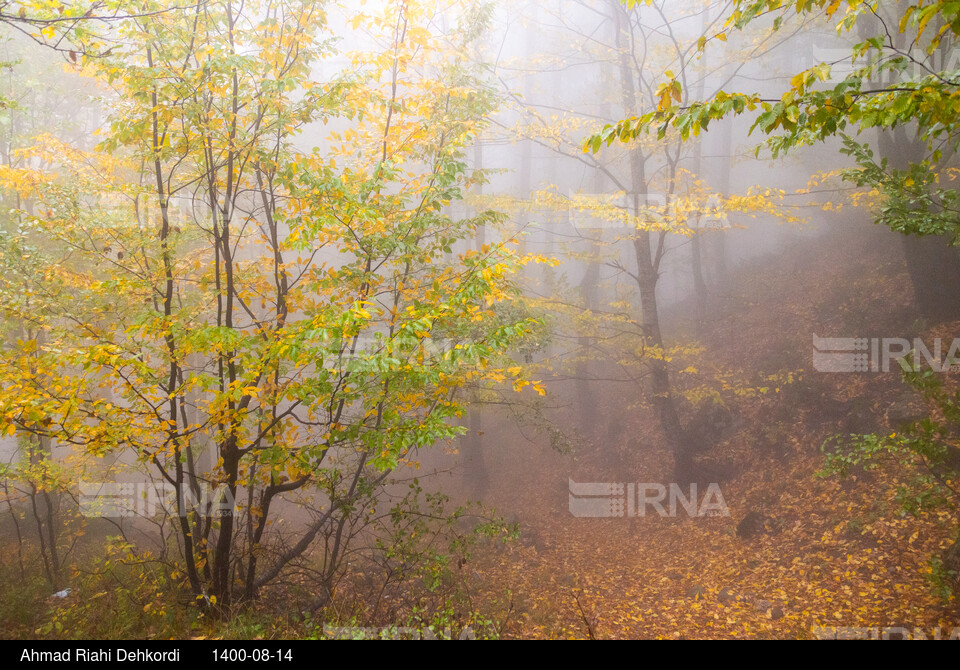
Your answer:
<point x="859" y="417"/>
<point x="530" y="537"/>
<point x="751" y="525"/>
<point x="726" y="596"/>
<point x="696" y="592"/>
<point x="772" y="609"/>
<point x="905" y="410"/>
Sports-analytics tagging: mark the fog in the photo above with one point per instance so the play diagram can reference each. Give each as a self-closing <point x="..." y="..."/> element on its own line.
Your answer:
<point x="357" y="269"/>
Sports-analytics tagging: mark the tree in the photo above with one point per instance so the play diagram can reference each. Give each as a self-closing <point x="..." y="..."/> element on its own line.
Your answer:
<point x="253" y="323"/>
<point x="904" y="84"/>
<point x="79" y="29"/>
<point x="647" y="206"/>
<point x="41" y="100"/>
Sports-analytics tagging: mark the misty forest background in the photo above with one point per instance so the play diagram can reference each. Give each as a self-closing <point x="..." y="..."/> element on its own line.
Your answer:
<point x="394" y="276"/>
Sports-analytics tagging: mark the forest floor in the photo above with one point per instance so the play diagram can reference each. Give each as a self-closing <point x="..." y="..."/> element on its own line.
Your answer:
<point x="828" y="556"/>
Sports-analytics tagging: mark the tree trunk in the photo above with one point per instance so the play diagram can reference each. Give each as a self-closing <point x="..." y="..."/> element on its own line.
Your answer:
<point x="648" y="269"/>
<point x="696" y="248"/>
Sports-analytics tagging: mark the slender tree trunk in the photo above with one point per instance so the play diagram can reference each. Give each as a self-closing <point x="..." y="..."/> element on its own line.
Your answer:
<point x="720" y="238"/>
<point x="586" y="400"/>
<point x="477" y="476"/>
<point x="648" y="267"/>
<point x="476" y="468"/>
<point x="696" y="251"/>
<point x="16" y="526"/>
<point x="699" y="285"/>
